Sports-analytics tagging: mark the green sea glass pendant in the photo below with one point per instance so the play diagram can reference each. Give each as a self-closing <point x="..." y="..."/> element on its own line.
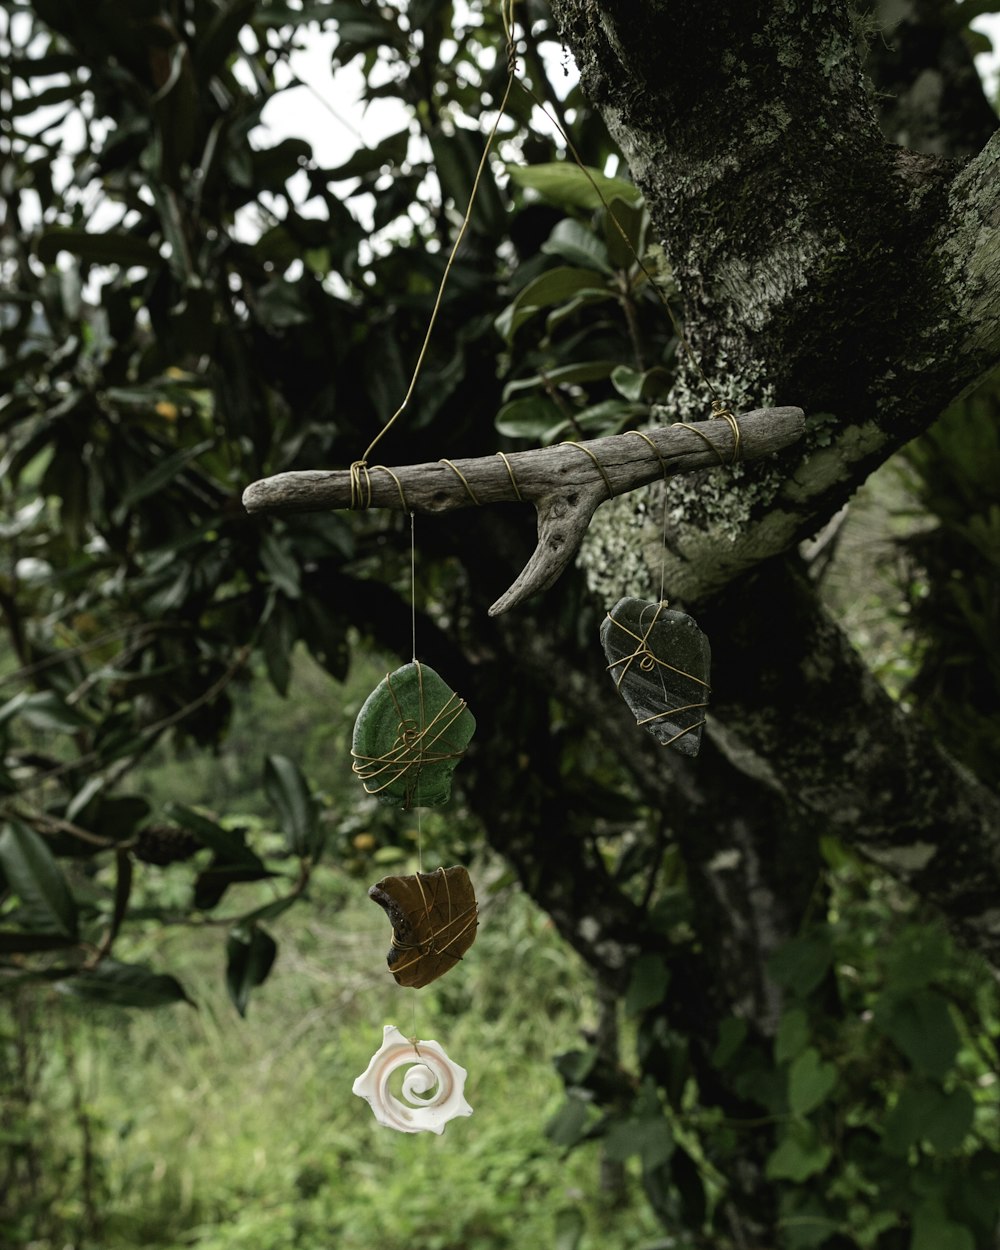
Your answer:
<point x="659" y="661"/>
<point x="410" y="734"/>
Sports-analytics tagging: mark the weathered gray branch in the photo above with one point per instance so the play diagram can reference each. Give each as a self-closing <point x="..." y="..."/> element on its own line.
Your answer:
<point x="565" y="483"/>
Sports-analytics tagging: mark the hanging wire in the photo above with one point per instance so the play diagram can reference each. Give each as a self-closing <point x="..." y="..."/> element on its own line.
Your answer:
<point x="511" y="76"/>
<point x="361" y="485"/>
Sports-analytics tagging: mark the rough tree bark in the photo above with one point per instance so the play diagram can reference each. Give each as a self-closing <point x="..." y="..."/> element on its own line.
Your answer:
<point x="824" y="267"/>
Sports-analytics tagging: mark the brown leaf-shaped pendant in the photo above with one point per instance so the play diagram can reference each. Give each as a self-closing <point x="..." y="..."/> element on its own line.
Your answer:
<point x="434" y="917"/>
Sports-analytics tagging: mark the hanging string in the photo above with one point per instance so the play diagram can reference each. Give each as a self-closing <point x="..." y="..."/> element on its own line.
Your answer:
<point x="360" y="481"/>
<point x="413" y="626"/>
<point x="718" y="406"/>
<point x="663" y="538"/>
<point x="413" y="584"/>
<point x="511" y="75"/>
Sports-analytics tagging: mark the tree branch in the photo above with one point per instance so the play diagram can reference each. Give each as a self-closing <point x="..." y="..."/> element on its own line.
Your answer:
<point x="968" y="243"/>
<point x="565" y="483"/>
<point x="874" y="776"/>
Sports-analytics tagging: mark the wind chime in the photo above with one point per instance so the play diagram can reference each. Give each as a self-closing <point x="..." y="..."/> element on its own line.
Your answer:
<point x="413" y="728"/>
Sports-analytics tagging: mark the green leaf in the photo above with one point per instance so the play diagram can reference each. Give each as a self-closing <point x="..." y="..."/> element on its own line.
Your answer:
<point x="647" y="984"/>
<point x="610" y="416"/>
<point x="792" y="1036"/>
<point x="162" y="474"/>
<point x="279" y="305"/>
<point x="45" y="711"/>
<point x="567" y="311"/>
<point x="250" y="954"/>
<point x="574" y="1066"/>
<point x="649" y="1137"/>
<point x="555" y="286"/>
<point x="388" y="154"/>
<point x="799" y="1155"/>
<point x="229" y="845"/>
<point x="280" y="564"/>
<point x="926" y="1113"/>
<point x="456" y="161"/>
<point x="114" y="247"/>
<point x="324" y="632"/>
<point x="562" y="375"/>
<point x="570" y="1226"/>
<point x="292" y="799"/>
<point x="220" y="38"/>
<point x="535" y="418"/>
<point x="635" y="385"/>
<point x="922" y="1027"/>
<point x="919" y="955"/>
<point x="211" y="885"/>
<point x="805" y="1223"/>
<point x="933" y="1230"/>
<point x="270" y="911"/>
<point x="802" y="963"/>
<point x="125" y="985"/>
<point x="732" y="1033"/>
<point x="277" y="639"/>
<point x="275" y="14"/>
<point x="573" y="242"/>
<point x="571" y="1122"/>
<point x="809" y="1081"/>
<point x="47" y="906"/>
<point x="566" y="184"/>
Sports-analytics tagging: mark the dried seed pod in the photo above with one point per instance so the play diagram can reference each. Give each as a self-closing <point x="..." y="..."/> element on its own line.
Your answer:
<point x="165" y="844"/>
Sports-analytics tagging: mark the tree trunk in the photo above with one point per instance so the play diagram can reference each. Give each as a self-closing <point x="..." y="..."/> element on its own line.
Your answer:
<point x="823" y="267"/>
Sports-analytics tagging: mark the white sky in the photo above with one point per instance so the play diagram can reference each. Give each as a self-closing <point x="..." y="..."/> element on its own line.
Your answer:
<point x="327" y="112"/>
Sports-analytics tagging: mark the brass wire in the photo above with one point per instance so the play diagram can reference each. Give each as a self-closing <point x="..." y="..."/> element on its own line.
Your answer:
<point x="361" y="493"/>
<point x="653" y="448"/>
<point x="704" y="438"/>
<point x="361" y="487"/>
<point x="648" y="660"/>
<point x="721" y="412"/>
<point x="399" y="485"/>
<point x="462" y="478"/>
<point x="578" y="160"/>
<point x="510" y="474"/>
<point x="600" y="467"/>
<point x="494" y="129"/>
<point x="411" y="748"/>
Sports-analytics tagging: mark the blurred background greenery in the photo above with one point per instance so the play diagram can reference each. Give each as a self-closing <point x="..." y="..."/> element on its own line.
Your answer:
<point x="160" y="648"/>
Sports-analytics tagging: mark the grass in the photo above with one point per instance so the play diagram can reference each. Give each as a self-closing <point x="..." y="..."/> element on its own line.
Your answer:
<point x="185" y="1127"/>
<point x="224" y="1134"/>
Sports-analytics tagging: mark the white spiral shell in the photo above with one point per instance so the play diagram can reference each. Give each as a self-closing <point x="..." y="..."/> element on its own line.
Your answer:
<point x="431" y="1069"/>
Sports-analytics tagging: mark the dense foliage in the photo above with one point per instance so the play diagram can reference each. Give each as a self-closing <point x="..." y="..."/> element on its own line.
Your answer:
<point x="187" y="308"/>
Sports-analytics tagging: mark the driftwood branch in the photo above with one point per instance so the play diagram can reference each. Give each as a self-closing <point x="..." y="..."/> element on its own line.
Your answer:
<point x="565" y="483"/>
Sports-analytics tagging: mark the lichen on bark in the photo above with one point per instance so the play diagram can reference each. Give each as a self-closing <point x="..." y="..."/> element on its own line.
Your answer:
<point x="819" y="266"/>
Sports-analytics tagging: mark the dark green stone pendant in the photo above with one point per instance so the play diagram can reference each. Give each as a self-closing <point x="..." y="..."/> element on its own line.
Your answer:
<point x="410" y="734"/>
<point x="659" y="661"/>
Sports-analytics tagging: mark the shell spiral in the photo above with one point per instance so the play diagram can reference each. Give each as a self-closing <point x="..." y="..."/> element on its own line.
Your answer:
<point x="430" y="1069"/>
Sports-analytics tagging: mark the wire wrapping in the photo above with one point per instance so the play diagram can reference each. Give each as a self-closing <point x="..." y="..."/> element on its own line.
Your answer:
<point x="718" y="405"/>
<point x="417" y="743"/>
<point x="648" y="661"/>
<point x="462" y="478"/>
<point x="510" y="474"/>
<point x="361" y="486"/>
<point x="600" y="467"/>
